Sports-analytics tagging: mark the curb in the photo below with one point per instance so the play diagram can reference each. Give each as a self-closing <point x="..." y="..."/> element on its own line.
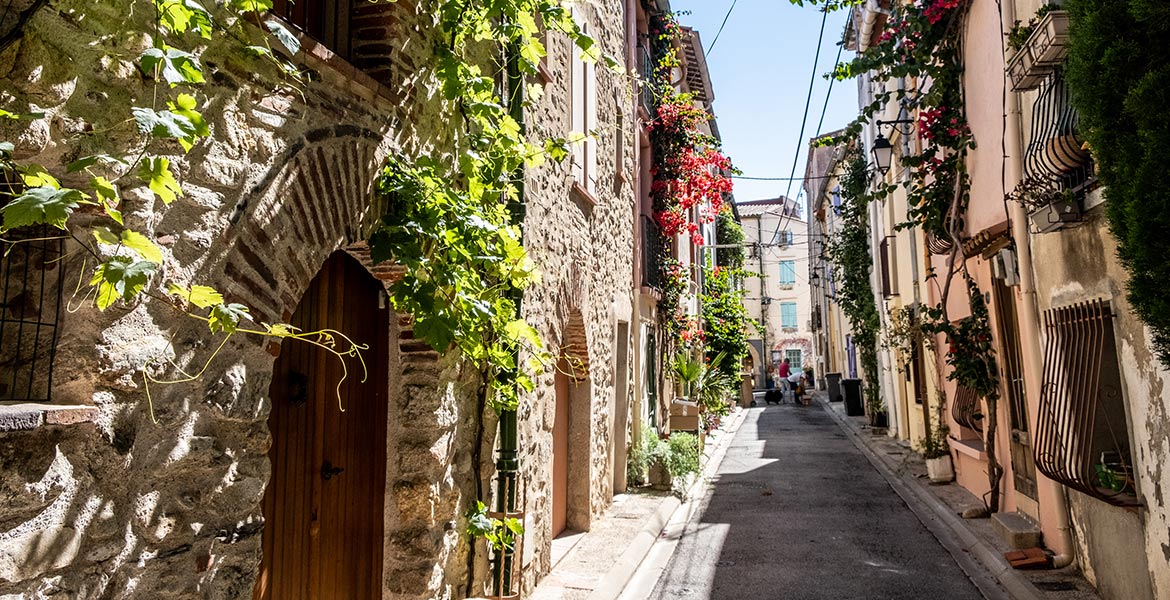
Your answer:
<point x="990" y="573"/>
<point x="614" y="582"/>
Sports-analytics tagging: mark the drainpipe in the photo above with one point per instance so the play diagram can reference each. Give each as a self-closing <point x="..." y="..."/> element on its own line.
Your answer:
<point x="1029" y="313"/>
<point x="507" y="457"/>
<point x="635" y="338"/>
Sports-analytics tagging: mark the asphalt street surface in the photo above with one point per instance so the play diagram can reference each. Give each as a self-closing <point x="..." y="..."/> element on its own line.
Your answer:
<point x="797" y="512"/>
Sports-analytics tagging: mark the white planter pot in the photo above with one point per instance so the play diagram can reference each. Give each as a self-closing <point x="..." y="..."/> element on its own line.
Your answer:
<point x="940" y="469"/>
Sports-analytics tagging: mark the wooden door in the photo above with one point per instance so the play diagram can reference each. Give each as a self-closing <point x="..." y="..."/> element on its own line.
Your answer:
<point x="323" y="504"/>
<point x="560" y="461"/>
<point x="1012" y="376"/>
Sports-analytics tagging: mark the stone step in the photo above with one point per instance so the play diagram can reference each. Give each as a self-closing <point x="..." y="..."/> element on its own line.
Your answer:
<point x="1018" y="530"/>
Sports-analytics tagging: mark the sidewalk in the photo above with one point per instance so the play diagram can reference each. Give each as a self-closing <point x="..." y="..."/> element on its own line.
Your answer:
<point x="973" y="542"/>
<point x="596" y="565"/>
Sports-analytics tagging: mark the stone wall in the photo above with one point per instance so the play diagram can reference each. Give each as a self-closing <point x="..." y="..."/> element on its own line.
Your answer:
<point x="584" y="247"/>
<point x="168" y="505"/>
<point x="1080" y="265"/>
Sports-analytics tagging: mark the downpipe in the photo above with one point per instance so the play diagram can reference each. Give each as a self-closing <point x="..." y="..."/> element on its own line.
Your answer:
<point x="1028" y="307"/>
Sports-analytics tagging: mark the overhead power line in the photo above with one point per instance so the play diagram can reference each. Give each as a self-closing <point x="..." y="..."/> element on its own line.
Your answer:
<point x="721" y="25"/>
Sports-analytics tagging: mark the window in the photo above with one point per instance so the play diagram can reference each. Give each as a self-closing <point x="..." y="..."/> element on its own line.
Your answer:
<point x="889" y="270"/>
<point x="786" y="238"/>
<point x="583" y="94"/>
<point x="326" y="21"/>
<point x="1082" y="439"/>
<point x="787" y="273"/>
<point x="794" y="356"/>
<point x="788" y="315"/>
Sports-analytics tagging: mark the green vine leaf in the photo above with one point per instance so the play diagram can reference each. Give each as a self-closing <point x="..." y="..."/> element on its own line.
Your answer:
<point x="107" y="194"/>
<point x="120" y="277"/>
<point x="283" y="35"/>
<point x="89" y="161"/>
<point x="176" y="66"/>
<point x="156" y="172"/>
<point x="165" y="125"/>
<point x="227" y="317"/>
<point x="41" y="205"/>
<point x="142" y="245"/>
<point x="252" y="5"/>
<point x="180" y="15"/>
<point x="198" y="295"/>
<point x="34" y="175"/>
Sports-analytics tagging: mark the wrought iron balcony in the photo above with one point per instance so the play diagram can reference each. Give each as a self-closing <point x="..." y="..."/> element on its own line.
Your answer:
<point x="654" y="249"/>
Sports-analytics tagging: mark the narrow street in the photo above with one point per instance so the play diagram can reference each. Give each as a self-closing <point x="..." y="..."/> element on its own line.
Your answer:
<point x="797" y="511"/>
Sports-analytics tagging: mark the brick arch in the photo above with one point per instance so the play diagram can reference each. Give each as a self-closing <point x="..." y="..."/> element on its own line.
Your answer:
<point x="320" y="199"/>
<point x="574" y="338"/>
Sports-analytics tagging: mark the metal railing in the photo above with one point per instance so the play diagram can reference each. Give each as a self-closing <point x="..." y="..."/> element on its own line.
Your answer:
<point x="967" y="409"/>
<point x="1056" y="151"/>
<point x="646" y="94"/>
<point x="653" y="251"/>
<point x="327" y="21"/>
<point x="30" y="305"/>
<point x="1081" y="435"/>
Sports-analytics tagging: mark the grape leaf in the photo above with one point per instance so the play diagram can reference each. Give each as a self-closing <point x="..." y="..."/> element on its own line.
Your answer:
<point x="199" y="295"/>
<point x="142" y="246"/>
<point x="43" y="204"/>
<point x="283" y="35"/>
<point x="120" y="278"/>
<point x="156" y="171"/>
<point x="165" y="124"/>
<point x="226" y="317"/>
<point x="176" y="66"/>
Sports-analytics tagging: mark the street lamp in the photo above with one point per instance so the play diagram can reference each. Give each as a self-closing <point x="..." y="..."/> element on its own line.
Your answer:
<point x="883" y="153"/>
<point x="883" y="150"/>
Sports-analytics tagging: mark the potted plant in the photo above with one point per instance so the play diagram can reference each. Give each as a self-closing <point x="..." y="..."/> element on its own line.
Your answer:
<point x="937" y="453"/>
<point x="1040" y="46"/>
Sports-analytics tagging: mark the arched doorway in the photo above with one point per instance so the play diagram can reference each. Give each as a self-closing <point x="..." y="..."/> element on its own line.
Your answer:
<point x="323" y="507"/>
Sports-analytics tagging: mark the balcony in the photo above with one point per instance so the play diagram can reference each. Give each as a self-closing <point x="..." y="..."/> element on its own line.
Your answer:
<point x="646" y="96"/>
<point x="1041" y="54"/>
<point x="654" y="249"/>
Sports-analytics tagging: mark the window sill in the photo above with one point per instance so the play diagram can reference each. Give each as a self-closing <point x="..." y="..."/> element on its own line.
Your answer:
<point x="971" y="448"/>
<point x="27" y="416"/>
<point x="583" y="195"/>
<point x="543" y="72"/>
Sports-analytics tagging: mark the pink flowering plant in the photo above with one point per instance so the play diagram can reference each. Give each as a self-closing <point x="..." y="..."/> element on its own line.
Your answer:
<point x="691" y="176"/>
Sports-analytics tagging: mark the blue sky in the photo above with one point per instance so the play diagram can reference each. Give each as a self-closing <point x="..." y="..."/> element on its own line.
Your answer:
<point x="760" y="68"/>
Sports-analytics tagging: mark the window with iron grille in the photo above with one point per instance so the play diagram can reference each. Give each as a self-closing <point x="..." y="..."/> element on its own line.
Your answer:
<point x="327" y="21"/>
<point x="967" y="411"/>
<point x="1082" y="437"/>
<point x="795" y="359"/>
<point x="30" y="305"/>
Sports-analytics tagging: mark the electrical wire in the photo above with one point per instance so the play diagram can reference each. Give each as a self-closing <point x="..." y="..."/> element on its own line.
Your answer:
<point x="807" y="103"/>
<point x="721" y="25"/>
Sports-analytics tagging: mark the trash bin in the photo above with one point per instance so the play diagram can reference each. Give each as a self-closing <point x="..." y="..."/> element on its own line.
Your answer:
<point x="834" y="383"/>
<point x="853" y="406"/>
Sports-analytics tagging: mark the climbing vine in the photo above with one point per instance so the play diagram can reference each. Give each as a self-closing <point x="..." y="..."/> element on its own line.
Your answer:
<point x="921" y="45"/>
<point x="691" y="176"/>
<point x="848" y="250"/>
<point x="133" y="144"/>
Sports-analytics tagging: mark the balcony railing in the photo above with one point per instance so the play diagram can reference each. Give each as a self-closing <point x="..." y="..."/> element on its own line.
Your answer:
<point x="653" y="251"/>
<point x="646" y="89"/>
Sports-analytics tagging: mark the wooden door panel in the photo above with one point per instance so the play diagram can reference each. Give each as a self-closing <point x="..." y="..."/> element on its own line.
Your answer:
<point x="323" y="529"/>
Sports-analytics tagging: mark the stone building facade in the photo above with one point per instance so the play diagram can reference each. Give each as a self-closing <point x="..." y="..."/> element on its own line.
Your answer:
<point x="105" y="492"/>
<point x="779" y="296"/>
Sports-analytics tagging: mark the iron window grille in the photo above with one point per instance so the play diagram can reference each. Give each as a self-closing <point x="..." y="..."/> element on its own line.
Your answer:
<point x="30" y="306"/>
<point x="967" y="409"/>
<point x="654" y="249"/>
<point x="327" y="21"/>
<point x="1081" y="434"/>
<point x="1055" y="152"/>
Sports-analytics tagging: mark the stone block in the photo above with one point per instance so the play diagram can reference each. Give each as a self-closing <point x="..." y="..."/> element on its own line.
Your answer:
<point x="1017" y="530"/>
